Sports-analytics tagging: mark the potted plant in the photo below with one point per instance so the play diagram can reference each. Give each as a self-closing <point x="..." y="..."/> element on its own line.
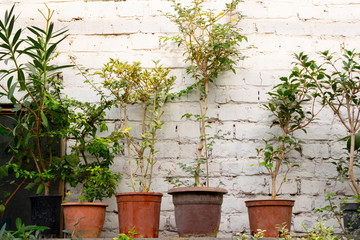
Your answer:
<point x="339" y="88"/>
<point x="130" y="84"/>
<point x="211" y="45"/>
<point x="86" y="218"/>
<point x="34" y="86"/>
<point x="292" y="106"/>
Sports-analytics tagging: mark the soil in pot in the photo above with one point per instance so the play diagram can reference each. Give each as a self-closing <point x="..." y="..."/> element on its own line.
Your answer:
<point x="197" y="210"/>
<point x="139" y="212"/>
<point x="85" y="220"/>
<point x="269" y="215"/>
<point x="45" y="211"/>
<point x="351" y="218"/>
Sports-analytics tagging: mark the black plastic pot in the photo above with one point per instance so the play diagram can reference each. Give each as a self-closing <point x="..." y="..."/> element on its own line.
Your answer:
<point x="6" y="221"/>
<point x="351" y="217"/>
<point x="45" y="211"/>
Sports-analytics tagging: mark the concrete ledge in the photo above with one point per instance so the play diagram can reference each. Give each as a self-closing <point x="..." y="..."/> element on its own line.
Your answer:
<point x="205" y="238"/>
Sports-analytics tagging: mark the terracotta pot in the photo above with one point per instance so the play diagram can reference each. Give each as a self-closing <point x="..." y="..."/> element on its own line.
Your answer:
<point x="90" y="218"/>
<point x="197" y="210"/>
<point x="139" y="211"/>
<point x="269" y="215"/>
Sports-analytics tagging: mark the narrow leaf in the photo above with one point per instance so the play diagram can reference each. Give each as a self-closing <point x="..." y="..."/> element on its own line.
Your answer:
<point x="40" y="189"/>
<point x="45" y="122"/>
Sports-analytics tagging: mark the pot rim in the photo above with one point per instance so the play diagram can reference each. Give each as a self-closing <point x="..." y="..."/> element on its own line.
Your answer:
<point x="45" y="196"/>
<point x="349" y="206"/>
<point x="197" y="189"/>
<point x="269" y="202"/>
<point x="139" y="194"/>
<point x="68" y="204"/>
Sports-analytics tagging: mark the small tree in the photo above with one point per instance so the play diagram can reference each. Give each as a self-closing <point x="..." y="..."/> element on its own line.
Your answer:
<point x="339" y="88"/>
<point x="34" y="87"/>
<point x="292" y="104"/>
<point x="211" y="47"/>
<point x="129" y="84"/>
<point x="92" y="156"/>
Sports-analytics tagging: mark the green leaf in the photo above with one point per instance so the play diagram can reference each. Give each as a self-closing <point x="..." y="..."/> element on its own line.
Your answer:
<point x="82" y="198"/>
<point x="9" y="82"/>
<point x="11" y="91"/>
<point x="3" y="171"/>
<point x="2" y="36"/>
<point x="18" y="223"/>
<point x="11" y="26"/>
<point x="44" y="120"/>
<point x="30" y="186"/>
<point x="16" y="37"/>
<point x="40" y="189"/>
<point x="35" y="43"/>
<point x="50" y="51"/>
<point x="21" y="79"/>
<point x="357" y="142"/>
<point x="2" y="208"/>
<point x="49" y="32"/>
<point x="5" y="193"/>
<point x="72" y="160"/>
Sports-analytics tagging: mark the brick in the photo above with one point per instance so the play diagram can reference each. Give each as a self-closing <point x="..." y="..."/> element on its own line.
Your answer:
<point x="253" y="9"/>
<point x="231" y="168"/>
<point x="245" y="95"/>
<point x="265" y="61"/>
<point x="252" y="131"/>
<point x="244" y="112"/>
<point x="327" y="170"/>
<point x="300" y="221"/>
<point x="229" y="78"/>
<point x="95" y="43"/>
<point x="283" y="10"/>
<point x="239" y="223"/>
<point x="81" y="94"/>
<point x="303" y="204"/>
<point x="144" y="41"/>
<point x="315" y="150"/>
<point x="336" y="29"/>
<point x="252" y="185"/>
<point x="313" y="187"/>
<point x="310" y="12"/>
<point x="233" y="205"/>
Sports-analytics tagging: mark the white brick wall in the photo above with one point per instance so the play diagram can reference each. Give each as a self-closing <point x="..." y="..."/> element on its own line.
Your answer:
<point x="130" y="30"/>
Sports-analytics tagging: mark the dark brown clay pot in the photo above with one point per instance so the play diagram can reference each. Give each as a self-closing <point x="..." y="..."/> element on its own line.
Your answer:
<point x="269" y="215"/>
<point x="141" y="211"/>
<point x="197" y="210"/>
<point x="89" y="216"/>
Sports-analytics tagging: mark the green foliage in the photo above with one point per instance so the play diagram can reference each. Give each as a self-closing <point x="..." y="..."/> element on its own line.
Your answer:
<point x="22" y="232"/>
<point x="74" y="232"/>
<point x="130" y="84"/>
<point x="92" y="172"/>
<point x="338" y="83"/>
<point x="318" y="232"/>
<point x="333" y="210"/>
<point x="193" y="169"/>
<point x="129" y="236"/>
<point x="211" y="46"/>
<point x="258" y="235"/>
<point x="41" y="113"/>
<point x="290" y="106"/>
